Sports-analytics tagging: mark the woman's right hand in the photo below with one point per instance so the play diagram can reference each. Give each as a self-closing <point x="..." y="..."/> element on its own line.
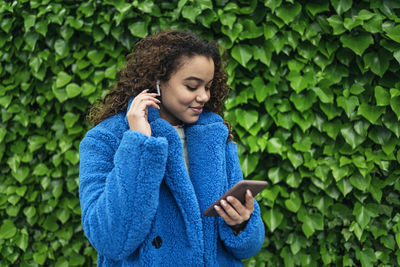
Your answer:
<point x="137" y="113"/>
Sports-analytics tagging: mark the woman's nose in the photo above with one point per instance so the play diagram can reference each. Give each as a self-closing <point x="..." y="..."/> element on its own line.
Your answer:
<point x="203" y="95"/>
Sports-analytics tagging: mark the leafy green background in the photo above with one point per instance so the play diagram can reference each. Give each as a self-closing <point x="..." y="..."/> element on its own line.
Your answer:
<point x="315" y="106"/>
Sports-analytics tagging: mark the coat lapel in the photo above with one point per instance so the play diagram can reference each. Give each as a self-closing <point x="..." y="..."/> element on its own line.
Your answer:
<point x="206" y="149"/>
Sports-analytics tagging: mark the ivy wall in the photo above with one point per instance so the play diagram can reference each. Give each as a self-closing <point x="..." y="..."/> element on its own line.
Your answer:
<point x="315" y="107"/>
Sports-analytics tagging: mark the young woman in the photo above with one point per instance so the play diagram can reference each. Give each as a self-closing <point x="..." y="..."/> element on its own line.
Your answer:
<point x="153" y="164"/>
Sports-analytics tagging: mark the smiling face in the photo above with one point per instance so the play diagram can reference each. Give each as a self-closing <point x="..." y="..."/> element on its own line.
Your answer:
<point x="184" y="95"/>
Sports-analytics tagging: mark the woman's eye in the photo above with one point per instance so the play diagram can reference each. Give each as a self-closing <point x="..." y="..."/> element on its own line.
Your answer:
<point x="191" y="88"/>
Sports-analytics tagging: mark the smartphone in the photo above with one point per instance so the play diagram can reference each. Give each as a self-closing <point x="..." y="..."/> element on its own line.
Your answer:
<point x="238" y="191"/>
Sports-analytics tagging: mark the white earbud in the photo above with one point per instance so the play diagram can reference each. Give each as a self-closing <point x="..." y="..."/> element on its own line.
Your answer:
<point x="158" y="88"/>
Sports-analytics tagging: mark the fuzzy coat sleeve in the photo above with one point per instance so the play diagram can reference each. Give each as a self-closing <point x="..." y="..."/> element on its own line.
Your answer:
<point x="248" y="242"/>
<point x="119" y="183"/>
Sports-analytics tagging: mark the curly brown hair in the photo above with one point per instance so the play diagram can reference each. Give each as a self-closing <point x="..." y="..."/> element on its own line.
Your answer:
<point x="157" y="57"/>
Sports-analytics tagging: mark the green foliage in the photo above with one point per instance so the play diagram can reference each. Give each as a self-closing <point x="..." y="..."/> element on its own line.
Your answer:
<point x="315" y="106"/>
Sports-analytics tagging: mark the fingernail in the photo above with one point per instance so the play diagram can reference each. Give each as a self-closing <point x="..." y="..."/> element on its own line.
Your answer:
<point x="229" y="198"/>
<point x="248" y="193"/>
<point x="216" y="207"/>
<point x="223" y="202"/>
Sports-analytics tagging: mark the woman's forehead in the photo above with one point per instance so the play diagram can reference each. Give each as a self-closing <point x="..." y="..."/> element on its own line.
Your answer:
<point x="198" y="68"/>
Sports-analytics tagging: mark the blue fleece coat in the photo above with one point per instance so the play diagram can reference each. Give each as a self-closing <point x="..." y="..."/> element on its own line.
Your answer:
<point x="139" y="205"/>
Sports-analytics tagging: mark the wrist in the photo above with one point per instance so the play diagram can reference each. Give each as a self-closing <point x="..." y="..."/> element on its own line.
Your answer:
<point x="238" y="228"/>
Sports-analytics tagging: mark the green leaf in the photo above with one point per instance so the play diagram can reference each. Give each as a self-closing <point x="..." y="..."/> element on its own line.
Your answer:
<point x="341" y="6"/>
<point x="394" y="33"/>
<point x="348" y="104"/>
<point x="362" y="216"/>
<point x="249" y="164"/>
<point x="228" y="19"/>
<point x="261" y="89"/>
<point x="324" y="94"/>
<point x="273" y="218"/>
<point x="344" y="186"/>
<point x="40" y="257"/>
<point x="330" y="110"/>
<point x="276" y="174"/>
<point x="336" y="23"/>
<point x="29" y="21"/>
<point x="70" y="119"/>
<point x="246" y="118"/>
<point x="22" y="240"/>
<point x="358" y="43"/>
<point x="357" y="89"/>
<point x="396" y="55"/>
<point x="350" y="23"/>
<point x="382" y="96"/>
<point x="251" y="30"/>
<point x="275" y="146"/>
<point x="304" y="145"/>
<point x="7" y="229"/>
<point x="378" y="62"/>
<point x="242" y="54"/>
<point x="395" y="105"/>
<point x="271" y="192"/>
<point x="350" y="136"/>
<point x="317" y="7"/>
<point x="295" y="158"/>
<point x="61" y="47"/>
<point x="390" y="121"/>
<point x="366" y="256"/>
<point x="379" y="135"/>
<point x="63" y="215"/>
<point x="287" y="12"/>
<point x="31" y="39"/>
<point x="30" y="211"/>
<point x="72" y="156"/>
<point x="233" y="33"/>
<point x="21" y="173"/>
<point x="364" y="15"/>
<point x="371" y="113"/>
<point x="96" y="56"/>
<point x="62" y="79"/>
<point x="272" y="4"/>
<point x="360" y="182"/>
<point x="191" y="13"/>
<point x="297" y="81"/>
<point x="138" y="29"/>
<point x="40" y="169"/>
<point x="294" y="202"/>
<point x="73" y="90"/>
<point x="303" y="102"/>
<point x="41" y="27"/>
<point x="60" y="94"/>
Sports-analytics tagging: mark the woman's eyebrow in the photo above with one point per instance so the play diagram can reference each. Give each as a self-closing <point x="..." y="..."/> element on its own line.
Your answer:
<point x="196" y="79"/>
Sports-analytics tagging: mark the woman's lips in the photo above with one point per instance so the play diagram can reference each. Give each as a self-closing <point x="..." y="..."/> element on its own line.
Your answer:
<point x="197" y="110"/>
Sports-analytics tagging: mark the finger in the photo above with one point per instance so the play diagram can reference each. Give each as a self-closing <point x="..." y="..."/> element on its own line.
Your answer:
<point x="146" y="97"/>
<point x="230" y="211"/>
<point x="237" y="205"/>
<point x="223" y="215"/>
<point x="146" y="103"/>
<point x="137" y="103"/>
<point x="249" y="201"/>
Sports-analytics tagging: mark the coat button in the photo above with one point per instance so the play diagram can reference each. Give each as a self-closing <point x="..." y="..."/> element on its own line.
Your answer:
<point x="157" y="242"/>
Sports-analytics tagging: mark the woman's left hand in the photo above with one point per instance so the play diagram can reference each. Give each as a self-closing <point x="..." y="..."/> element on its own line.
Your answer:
<point x="233" y="211"/>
